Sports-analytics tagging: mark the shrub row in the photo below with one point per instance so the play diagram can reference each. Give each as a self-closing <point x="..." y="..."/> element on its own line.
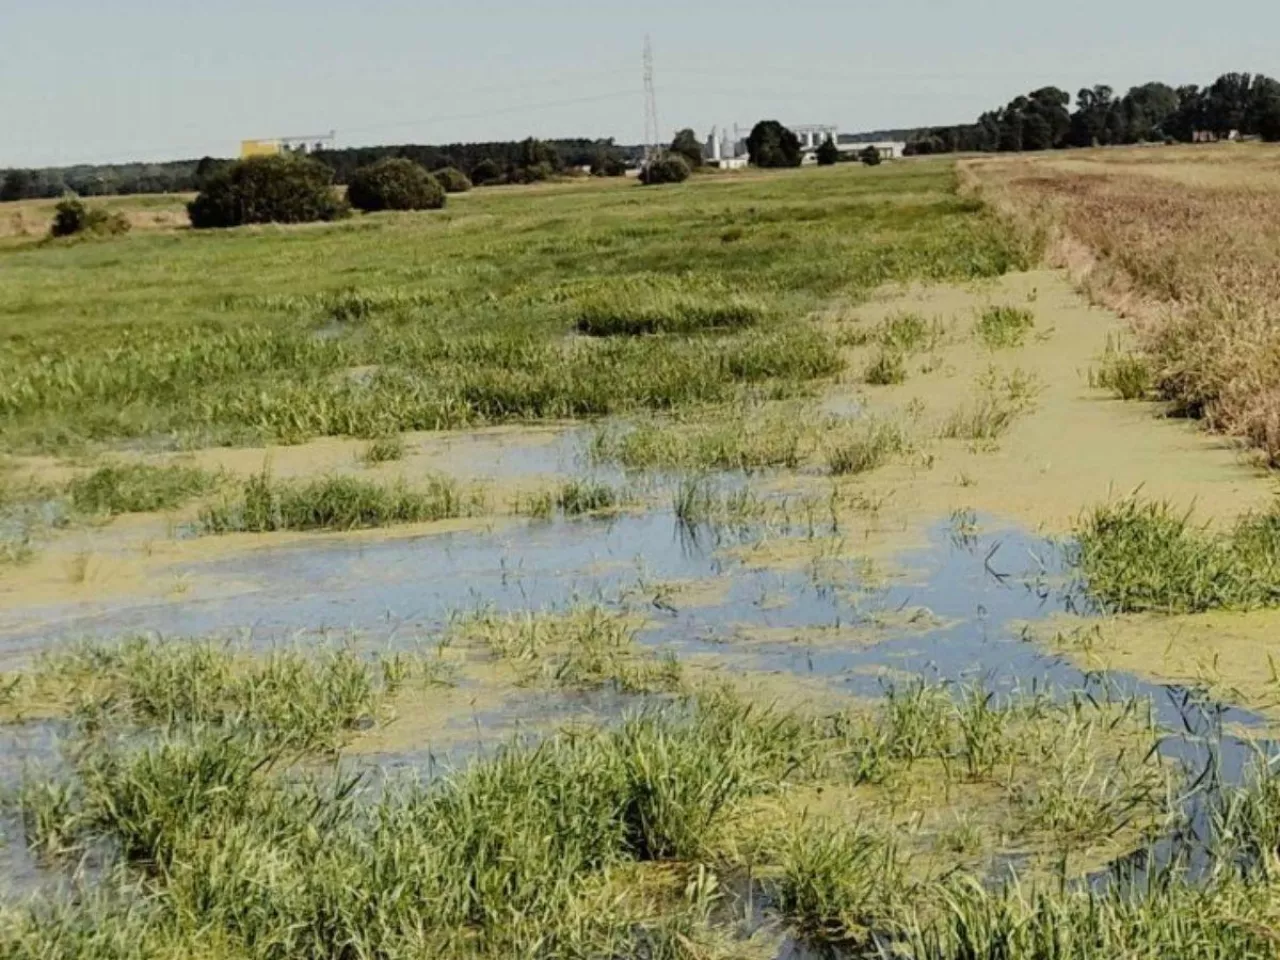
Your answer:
<point x="295" y="189"/>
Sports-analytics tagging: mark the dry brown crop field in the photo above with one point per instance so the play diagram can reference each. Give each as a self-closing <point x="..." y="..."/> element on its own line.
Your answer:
<point x="1184" y="241"/>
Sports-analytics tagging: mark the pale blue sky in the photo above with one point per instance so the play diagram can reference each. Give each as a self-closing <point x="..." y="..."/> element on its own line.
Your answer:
<point x="104" y="80"/>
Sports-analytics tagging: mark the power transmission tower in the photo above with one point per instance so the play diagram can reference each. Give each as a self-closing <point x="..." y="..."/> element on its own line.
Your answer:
<point x="651" y="128"/>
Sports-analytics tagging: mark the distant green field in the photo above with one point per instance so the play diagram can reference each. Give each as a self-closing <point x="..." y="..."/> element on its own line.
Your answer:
<point x="688" y="294"/>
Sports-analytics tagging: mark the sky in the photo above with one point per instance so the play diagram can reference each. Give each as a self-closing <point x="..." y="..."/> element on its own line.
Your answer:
<point x="93" y="81"/>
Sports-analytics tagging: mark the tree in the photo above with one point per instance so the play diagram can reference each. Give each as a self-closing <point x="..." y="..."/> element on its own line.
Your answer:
<point x="17" y="185"/>
<point x="1047" y="110"/>
<point x="394" y="184"/>
<point x="687" y="145"/>
<point x="1148" y="109"/>
<point x="281" y="189"/>
<point x="1267" y="115"/>
<point x="1227" y="103"/>
<point x="1036" y="133"/>
<point x="536" y="153"/>
<point x="773" y="145"/>
<point x="1189" y="117"/>
<point x="1089" y="122"/>
<point x="605" y="164"/>
<point x="828" y="153"/>
<point x="452" y="179"/>
<point x="668" y="168"/>
<point x="206" y="168"/>
<point x="870" y="156"/>
<point x="486" y="171"/>
<point x="1264" y="103"/>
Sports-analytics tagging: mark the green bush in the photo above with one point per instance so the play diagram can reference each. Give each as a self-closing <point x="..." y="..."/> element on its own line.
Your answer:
<point x="395" y="184"/>
<point x="870" y="156"/>
<point x="485" y="172"/>
<point x="534" y="173"/>
<point x="828" y="153"/>
<point x="773" y="145"/>
<point x="453" y="180"/>
<point x="687" y="145"/>
<point x="281" y="189"/>
<point x="668" y="168"/>
<point x="72" y="217"/>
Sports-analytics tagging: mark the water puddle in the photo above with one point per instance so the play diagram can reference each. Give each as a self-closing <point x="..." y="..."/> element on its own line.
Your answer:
<point x="948" y="612"/>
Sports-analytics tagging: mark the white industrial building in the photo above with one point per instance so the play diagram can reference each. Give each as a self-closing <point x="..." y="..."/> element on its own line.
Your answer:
<point x="888" y="149"/>
<point x="727" y="149"/>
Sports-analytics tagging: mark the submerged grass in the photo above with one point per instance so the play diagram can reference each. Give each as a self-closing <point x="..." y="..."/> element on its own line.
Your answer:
<point x="999" y="401"/>
<point x="306" y="700"/>
<point x="592" y="843"/>
<point x="1143" y="555"/>
<point x="786" y="435"/>
<point x="384" y="450"/>
<point x="332" y="503"/>
<point x="870" y="444"/>
<point x="1125" y="373"/>
<point x="1001" y="327"/>
<point x="585" y="648"/>
<point x="139" y="488"/>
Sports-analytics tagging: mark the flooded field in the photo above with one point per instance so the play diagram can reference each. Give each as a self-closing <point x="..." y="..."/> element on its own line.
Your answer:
<point x="906" y="637"/>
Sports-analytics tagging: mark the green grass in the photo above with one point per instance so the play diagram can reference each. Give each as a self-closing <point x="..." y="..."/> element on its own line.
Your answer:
<point x="1001" y="327"/>
<point x="280" y="334"/>
<point x="265" y="504"/>
<point x="735" y="439"/>
<point x="908" y="333"/>
<point x="841" y="885"/>
<point x="139" y="488"/>
<point x="1127" y="375"/>
<point x="384" y="450"/>
<point x="586" y="648"/>
<point x="647" y="308"/>
<point x="888" y="367"/>
<point x="1000" y="400"/>
<point x="865" y="446"/>
<point x="577" y="497"/>
<point x="595" y="842"/>
<point x="1143" y="555"/>
<point x="307" y="700"/>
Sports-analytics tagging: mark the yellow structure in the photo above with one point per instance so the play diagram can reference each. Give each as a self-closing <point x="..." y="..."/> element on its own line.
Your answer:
<point x="259" y="148"/>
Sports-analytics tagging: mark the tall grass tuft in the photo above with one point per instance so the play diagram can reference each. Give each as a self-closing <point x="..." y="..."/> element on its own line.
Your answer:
<point x="577" y="497"/>
<point x="1141" y="555"/>
<point x="330" y="503"/>
<point x="868" y="446"/>
<point x="887" y="368"/>
<point x="384" y="450"/>
<point x="1004" y="326"/>
<point x="627" y="315"/>
<point x="1127" y="375"/>
<point x="841" y="886"/>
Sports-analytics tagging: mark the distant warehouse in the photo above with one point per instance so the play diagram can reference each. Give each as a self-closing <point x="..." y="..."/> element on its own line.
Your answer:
<point x="726" y="147"/>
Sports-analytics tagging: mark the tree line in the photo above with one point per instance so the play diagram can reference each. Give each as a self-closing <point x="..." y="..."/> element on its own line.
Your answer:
<point x="1236" y="104"/>
<point x="498" y="162"/>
